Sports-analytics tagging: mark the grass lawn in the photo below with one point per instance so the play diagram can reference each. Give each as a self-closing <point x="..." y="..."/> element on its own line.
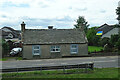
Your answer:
<point x="11" y="58"/>
<point x="97" y="73"/>
<point x="94" y="48"/>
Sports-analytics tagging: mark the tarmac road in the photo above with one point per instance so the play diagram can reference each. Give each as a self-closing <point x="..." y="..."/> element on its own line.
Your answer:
<point x="99" y="62"/>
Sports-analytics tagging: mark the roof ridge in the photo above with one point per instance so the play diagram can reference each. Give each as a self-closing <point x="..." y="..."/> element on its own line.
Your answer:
<point x="52" y="29"/>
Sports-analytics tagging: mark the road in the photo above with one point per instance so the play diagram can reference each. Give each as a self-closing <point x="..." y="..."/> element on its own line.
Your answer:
<point x="99" y="62"/>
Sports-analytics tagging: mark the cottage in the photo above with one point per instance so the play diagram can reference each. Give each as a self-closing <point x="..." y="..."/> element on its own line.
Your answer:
<point x="53" y="43"/>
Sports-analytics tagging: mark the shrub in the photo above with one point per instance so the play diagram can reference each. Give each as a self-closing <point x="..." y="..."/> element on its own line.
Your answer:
<point x="118" y="44"/>
<point x="107" y="48"/>
<point x="104" y="41"/>
<point x="5" y="48"/>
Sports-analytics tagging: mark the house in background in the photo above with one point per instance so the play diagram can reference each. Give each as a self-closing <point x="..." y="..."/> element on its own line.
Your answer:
<point x="108" y="30"/>
<point x="53" y="43"/>
<point x="9" y="33"/>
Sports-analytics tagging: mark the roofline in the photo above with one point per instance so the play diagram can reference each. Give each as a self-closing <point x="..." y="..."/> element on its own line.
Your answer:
<point x="55" y="43"/>
<point x="52" y="29"/>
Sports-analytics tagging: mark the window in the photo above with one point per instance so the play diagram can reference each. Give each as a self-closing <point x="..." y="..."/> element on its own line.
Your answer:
<point x="36" y="50"/>
<point x="55" y="49"/>
<point x="74" y="49"/>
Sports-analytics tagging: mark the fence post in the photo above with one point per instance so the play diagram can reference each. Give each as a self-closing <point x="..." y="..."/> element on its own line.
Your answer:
<point x="78" y="68"/>
<point x="41" y="70"/>
<point x="86" y="65"/>
<point x="64" y="69"/>
<point x="17" y="70"/>
<point x="92" y="66"/>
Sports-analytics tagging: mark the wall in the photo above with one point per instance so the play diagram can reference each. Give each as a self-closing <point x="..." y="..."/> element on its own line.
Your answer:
<point x="111" y="32"/>
<point x="27" y="52"/>
<point x="45" y="51"/>
<point x="82" y="50"/>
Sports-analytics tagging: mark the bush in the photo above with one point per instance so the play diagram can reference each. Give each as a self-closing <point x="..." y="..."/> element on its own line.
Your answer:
<point x="5" y="48"/>
<point x="107" y="48"/>
<point x="118" y="44"/>
<point x="104" y="41"/>
<point x="114" y="40"/>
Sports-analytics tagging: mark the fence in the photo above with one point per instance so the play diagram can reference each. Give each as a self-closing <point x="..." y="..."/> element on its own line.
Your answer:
<point x="84" y="66"/>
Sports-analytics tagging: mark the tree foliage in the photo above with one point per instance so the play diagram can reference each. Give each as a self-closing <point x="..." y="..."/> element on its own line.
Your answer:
<point x="93" y="39"/>
<point x="5" y="48"/>
<point x="81" y="23"/>
<point x="114" y="39"/>
<point x="104" y="41"/>
<point x="118" y="13"/>
<point x="113" y="43"/>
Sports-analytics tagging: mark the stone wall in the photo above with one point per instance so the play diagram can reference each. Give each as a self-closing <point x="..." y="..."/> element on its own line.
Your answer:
<point x="45" y="51"/>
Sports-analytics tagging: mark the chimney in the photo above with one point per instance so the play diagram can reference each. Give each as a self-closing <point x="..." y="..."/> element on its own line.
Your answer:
<point x="50" y="27"/>
<point x="22" y="31"/>
<point x="23" y="27"/>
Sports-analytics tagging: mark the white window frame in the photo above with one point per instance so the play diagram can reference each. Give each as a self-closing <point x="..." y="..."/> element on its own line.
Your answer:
<point x="71" y="48"/>
<point x="33" y="49"/>
<point x="55" y="48"/>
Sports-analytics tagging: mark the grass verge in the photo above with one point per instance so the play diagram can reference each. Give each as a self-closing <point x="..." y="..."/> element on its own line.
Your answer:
<point x="11" y="58"/>
<point x="96" y="73"/>
<point x="94" y="49"/>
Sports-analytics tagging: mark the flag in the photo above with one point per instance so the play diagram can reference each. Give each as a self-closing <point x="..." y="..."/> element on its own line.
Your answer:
<point x="99" y="33"/>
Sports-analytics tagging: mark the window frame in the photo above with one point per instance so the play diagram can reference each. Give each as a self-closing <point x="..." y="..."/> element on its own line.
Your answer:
<point x="55" y="47"/>
<point x="71" y="48"/>
<point x="33" y="49"/>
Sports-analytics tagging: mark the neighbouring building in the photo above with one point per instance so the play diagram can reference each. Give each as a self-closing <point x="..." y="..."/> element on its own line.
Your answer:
<point x="53" y="43"/>
<point x="108" y="30"/>
<point x="12" y="37"/>
<point x="9" y="33"/>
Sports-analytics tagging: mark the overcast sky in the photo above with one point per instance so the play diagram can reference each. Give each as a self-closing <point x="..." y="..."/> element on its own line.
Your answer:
<point x="59" y="13"/>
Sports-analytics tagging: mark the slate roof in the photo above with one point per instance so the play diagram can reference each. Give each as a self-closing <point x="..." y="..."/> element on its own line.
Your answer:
<point x="105" y="28"/>
<point x="54" y="36"/>
<point x="15" y="33"/>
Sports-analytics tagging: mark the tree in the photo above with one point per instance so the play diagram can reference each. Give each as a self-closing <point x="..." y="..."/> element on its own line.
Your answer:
<point x="5" y="48"/>
<point x="118" y="13"/>
<point x="113" y="40"/>
<point x="104" y="41"/>
<point x="118" y="44"/>
<point x="93" y="39"/>
<point x="81" y="23"/>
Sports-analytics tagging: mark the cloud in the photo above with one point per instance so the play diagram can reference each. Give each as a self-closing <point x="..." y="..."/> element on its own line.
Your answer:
<point x="3" y="16"/>
<point x="102" y="11"/>
<point x="81" y="9"/>
<point x="60" y="13"/>
<point x="10" y="4"/>
<point x="57" y="22"/>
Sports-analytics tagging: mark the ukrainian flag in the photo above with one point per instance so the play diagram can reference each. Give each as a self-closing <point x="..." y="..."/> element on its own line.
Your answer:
<point x="99" y="33"/>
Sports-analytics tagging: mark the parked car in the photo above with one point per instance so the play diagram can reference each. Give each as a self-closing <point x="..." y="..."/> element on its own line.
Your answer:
<point x="15" y="51"/>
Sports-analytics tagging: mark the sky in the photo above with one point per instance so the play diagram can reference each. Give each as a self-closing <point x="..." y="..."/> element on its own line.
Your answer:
<point x="62" y="14"/>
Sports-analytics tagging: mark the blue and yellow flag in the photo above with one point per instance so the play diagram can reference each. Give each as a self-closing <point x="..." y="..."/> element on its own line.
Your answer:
<point x="99" y="33"/>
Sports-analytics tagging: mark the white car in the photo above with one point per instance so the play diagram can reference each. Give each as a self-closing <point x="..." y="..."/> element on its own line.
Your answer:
<point x="15" y="51"/>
